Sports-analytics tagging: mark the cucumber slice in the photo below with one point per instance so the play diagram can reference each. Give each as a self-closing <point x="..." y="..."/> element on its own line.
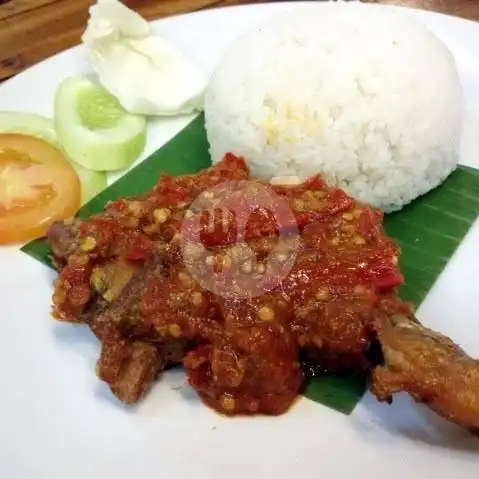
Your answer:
<point x="94" y="129"/>
<point x="41" y="127"/>
<point x="92" y="182"/>
<point x="29" y="124"/>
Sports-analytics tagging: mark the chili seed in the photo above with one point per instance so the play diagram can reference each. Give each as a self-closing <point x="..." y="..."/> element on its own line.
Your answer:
<point x="228" y="403"/>
<point x="174" y="330"/>
<point x="322" y="294"/>
<point x="197" y="298"/>
<point x="88" y="243"/>
<point x="265" y="313"/>
<point x="359" y="289"/>
<point x="185" y="279"/>
<point x="246" y="267"/>
<point x="161" y="215"/>
<point x="359" y="240"/>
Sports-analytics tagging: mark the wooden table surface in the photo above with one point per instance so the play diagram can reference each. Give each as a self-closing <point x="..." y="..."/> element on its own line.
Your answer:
<point x="31" y="30"/>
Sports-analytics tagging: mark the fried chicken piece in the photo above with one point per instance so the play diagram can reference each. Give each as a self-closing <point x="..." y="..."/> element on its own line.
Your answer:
<point x="129" y="368"/>
<point x="150" y="305"/>
<point x="158" y="282"/>
<point x="254" y="367"/>
<point x="133" y="352"/>
<point x="117" y="319"/>
<point x="252" y="358"/>
<point x="428" y="366"/>
<point x="342" y="270"/>
<point x="109" y="279"/>
<point x="167" y="311"/>
<point x="64" y="238"/>
<point x="129" y="229"/>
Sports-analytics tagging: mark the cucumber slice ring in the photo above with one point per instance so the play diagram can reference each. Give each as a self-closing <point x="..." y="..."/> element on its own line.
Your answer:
<point x="31" y="124"/>
<point x="94" y="129"/>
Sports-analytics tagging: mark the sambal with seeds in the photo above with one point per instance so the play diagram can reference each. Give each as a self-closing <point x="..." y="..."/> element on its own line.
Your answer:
<point x="139" y="277"/>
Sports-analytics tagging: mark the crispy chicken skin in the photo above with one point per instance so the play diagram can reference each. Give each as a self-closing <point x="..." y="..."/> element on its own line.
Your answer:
<point x="129" y="367"/>
<point x="428" y="366"/>
<point x="63" y="238"/>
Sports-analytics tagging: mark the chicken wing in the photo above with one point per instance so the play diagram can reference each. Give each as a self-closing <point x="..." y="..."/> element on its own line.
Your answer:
<point x="428" y="366"/>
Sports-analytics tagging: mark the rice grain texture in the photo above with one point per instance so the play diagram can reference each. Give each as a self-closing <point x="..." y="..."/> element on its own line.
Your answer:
<point x="362" y="94"/>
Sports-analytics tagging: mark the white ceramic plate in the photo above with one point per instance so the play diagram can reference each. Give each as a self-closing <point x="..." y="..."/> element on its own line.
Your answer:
<point x="57" y="421"/>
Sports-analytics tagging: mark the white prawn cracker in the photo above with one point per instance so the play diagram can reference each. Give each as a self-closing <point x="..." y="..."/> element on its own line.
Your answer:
<point x="147" y="74"/>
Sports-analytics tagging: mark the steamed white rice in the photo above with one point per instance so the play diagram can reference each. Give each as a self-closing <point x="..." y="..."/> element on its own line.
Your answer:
<point x="361" y="94"/>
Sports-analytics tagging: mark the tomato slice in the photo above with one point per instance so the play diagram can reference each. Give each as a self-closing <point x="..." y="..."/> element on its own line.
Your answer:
<point x="38" y="186"/>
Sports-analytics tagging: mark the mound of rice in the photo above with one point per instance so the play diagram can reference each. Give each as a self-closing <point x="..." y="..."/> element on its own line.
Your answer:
<point x="361" y="94"/>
